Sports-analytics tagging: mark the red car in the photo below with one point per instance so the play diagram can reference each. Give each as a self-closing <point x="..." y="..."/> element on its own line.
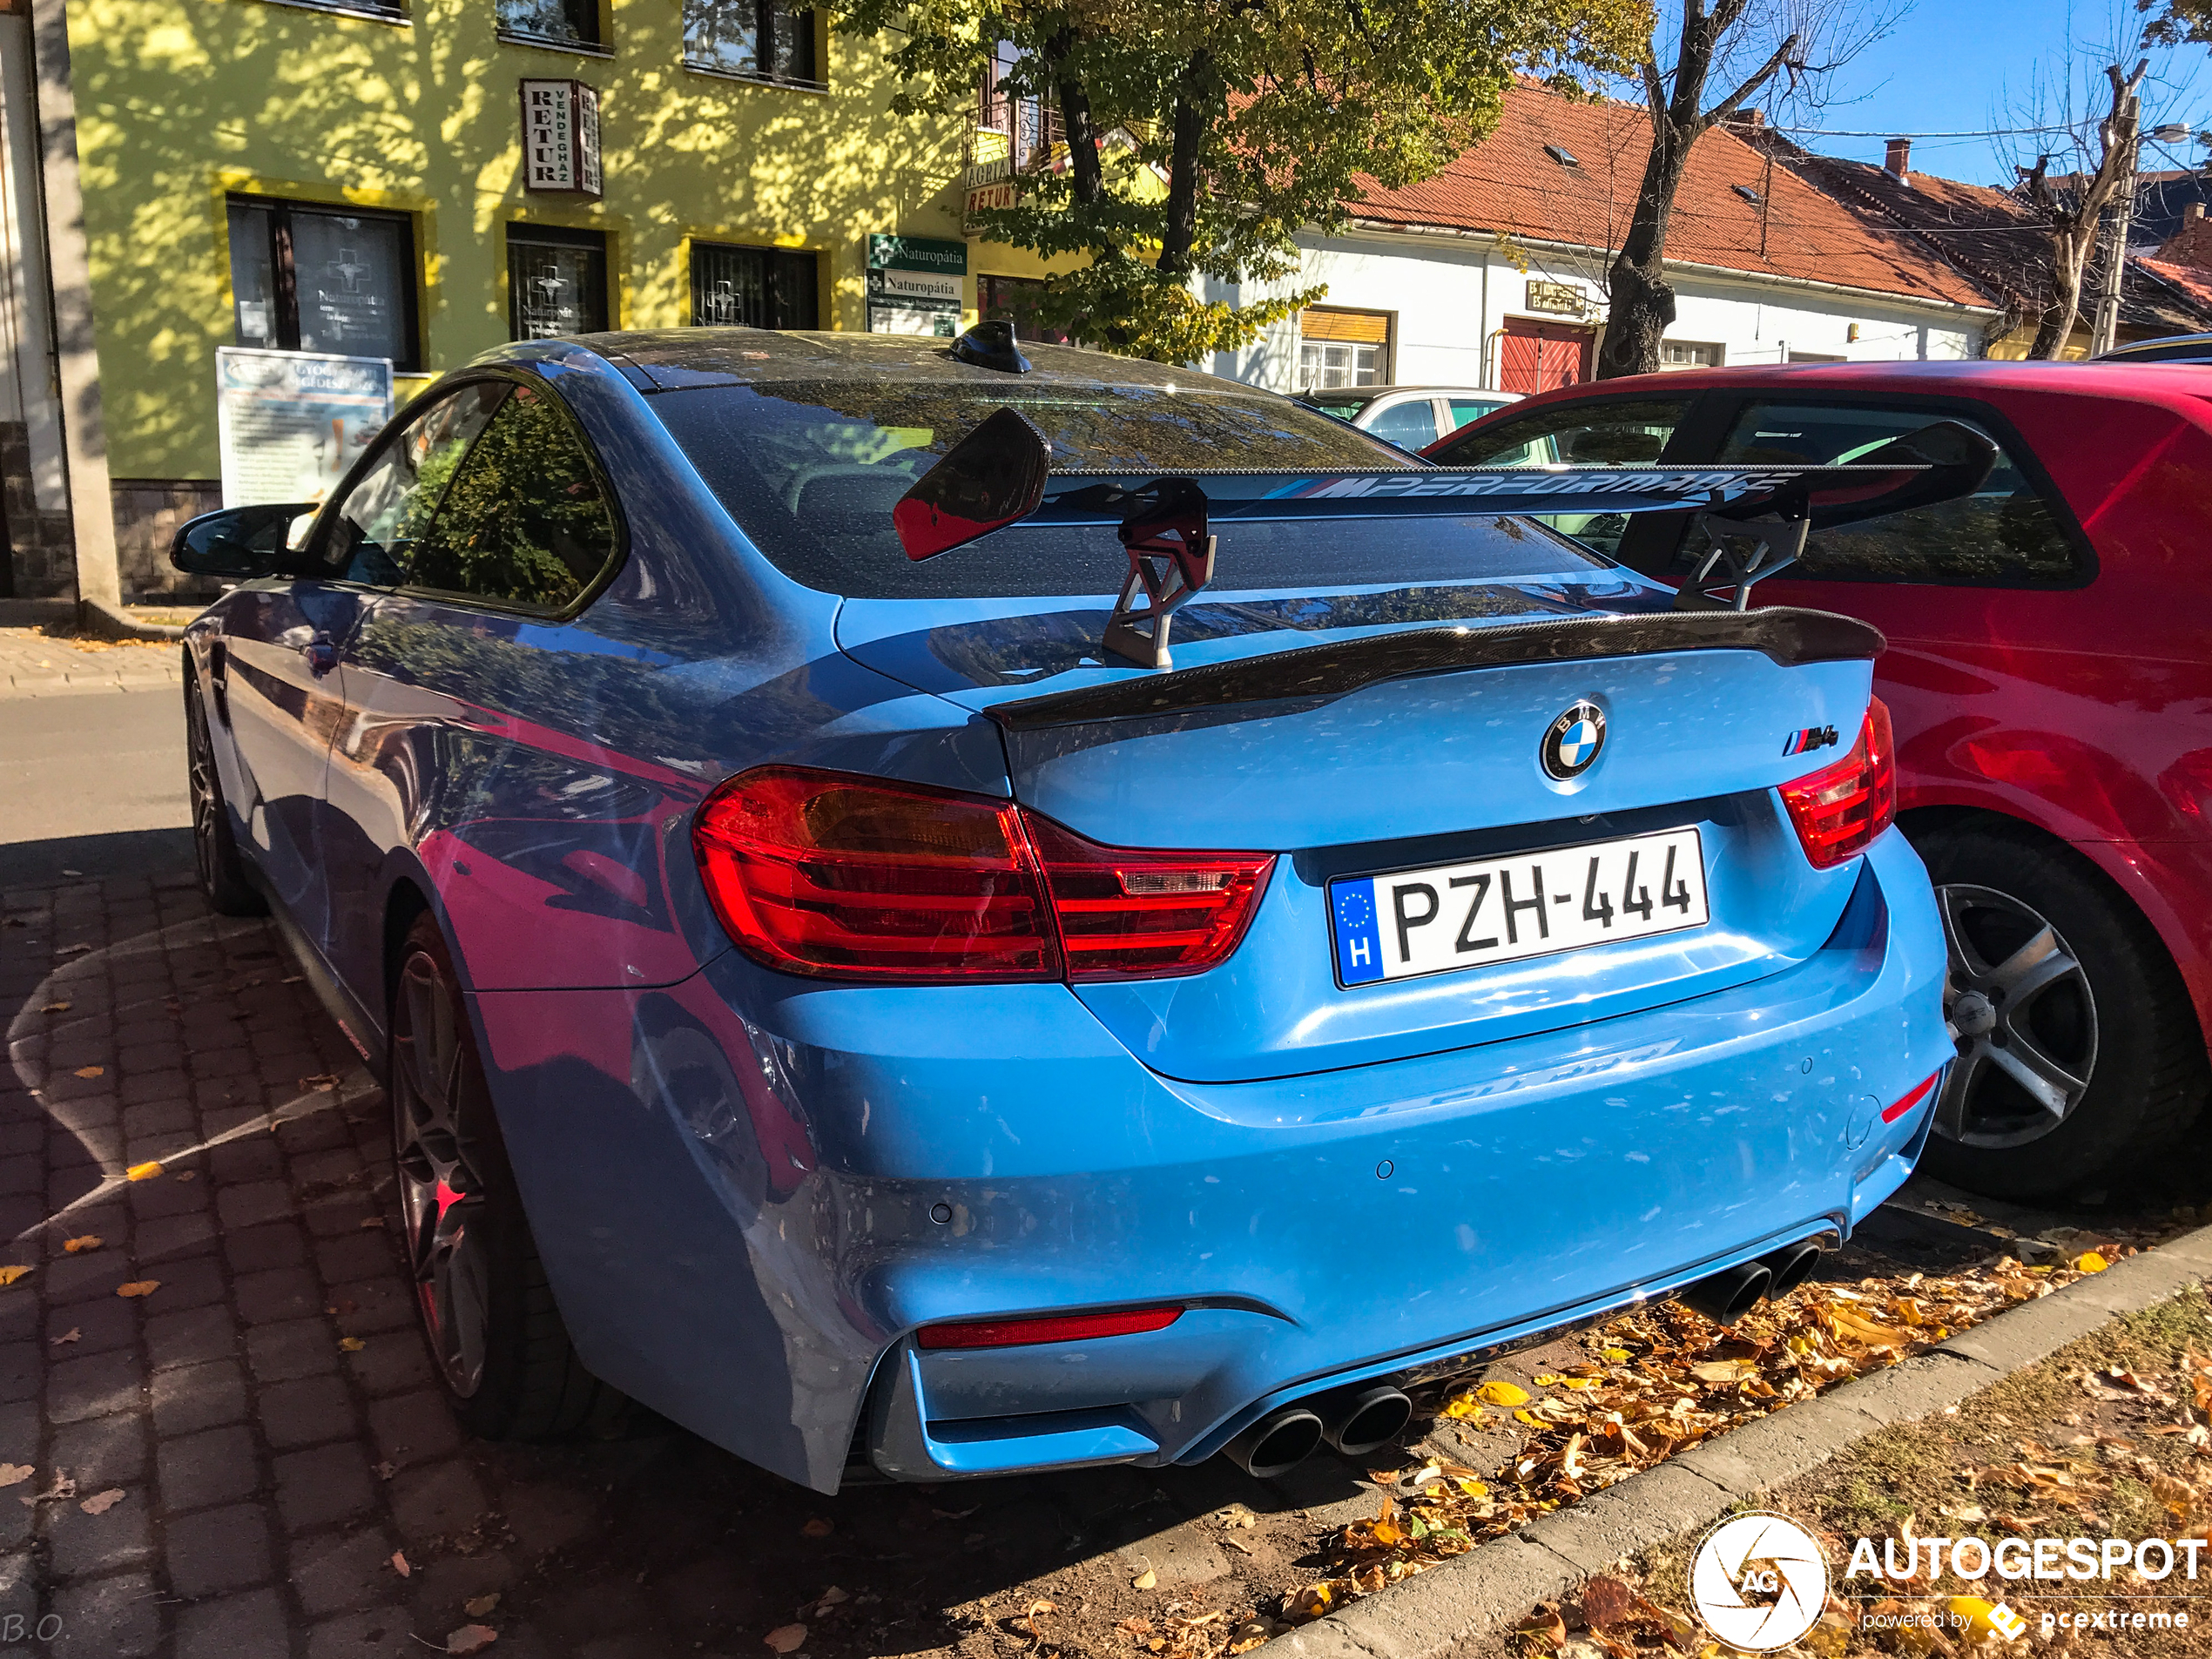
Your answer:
<point x="2049" y="673"/>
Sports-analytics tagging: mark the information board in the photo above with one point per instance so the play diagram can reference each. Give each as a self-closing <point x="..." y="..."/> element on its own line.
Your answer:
<point x="916" y="286"/>
<point x="289" y="424"/>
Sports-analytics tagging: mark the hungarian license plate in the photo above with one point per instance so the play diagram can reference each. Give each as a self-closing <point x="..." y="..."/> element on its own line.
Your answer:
<point x="1533" y="904"/>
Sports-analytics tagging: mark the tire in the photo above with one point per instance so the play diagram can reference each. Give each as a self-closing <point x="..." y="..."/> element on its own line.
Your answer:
<point x="494" y="1334"/>
<point x="2079" y="1050"/>
<point x="222" y="880"/>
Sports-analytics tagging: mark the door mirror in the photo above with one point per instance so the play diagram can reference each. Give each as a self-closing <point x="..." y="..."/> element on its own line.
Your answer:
<point x="241" y="542"/>
<point x="990" y="478"/>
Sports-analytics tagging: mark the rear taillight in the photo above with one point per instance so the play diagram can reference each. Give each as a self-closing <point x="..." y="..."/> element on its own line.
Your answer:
<point x="1057" y="1327"/>
<point x="854" y="877"/>
<point x="1840" y="808"/>
<point x="1129" y="913"/>
<point x="822" y="873"/>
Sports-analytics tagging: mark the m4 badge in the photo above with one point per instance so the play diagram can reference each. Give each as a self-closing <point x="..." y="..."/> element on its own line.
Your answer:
<point x="1813" y="737"/>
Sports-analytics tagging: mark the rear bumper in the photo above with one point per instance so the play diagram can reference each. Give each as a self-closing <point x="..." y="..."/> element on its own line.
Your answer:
<point x="774" y="1201"/>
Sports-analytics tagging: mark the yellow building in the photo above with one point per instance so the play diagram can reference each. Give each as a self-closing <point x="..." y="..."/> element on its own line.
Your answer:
<point x="353" y="176"/>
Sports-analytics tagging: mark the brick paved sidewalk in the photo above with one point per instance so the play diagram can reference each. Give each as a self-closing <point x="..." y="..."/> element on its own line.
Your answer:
<point x="270" y="1417"/>
<point x="35" y="663"/>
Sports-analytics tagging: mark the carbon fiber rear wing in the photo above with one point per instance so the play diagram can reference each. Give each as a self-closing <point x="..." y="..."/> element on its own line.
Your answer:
<point x="1758" y="517"/>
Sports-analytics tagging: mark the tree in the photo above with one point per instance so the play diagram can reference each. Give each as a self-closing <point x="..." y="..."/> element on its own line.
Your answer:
<point x="2076" y="215"/>
<point x="1202" y="134"/>
<point x="2177" y="23"/>
<point x="1744" y="44"/>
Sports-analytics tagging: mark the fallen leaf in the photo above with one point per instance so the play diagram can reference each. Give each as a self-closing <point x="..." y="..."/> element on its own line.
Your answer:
<point x="142" y="1171"/>
<point x="90" y="1241"/>
<point x="14" y="1474"/>
<point x="139" y="1287"/>
<point x="321" y="1080"/>
<point x="399" y="1565"/>
<point x="1498" y="1392"/>
<point x="1607" y="1601"/>
<point x="100" y="1502"/>
<point x="820" y="1527"/>
<point x="350" y="1344"/>
<point x="471" y="1638"/>
<point x="56" y="1008"/>
<point x="90" y="1071"/>
<point x="64" y="1487"/>
<point x="1543" y="1630"/>
<point x="1724" y="1370"/>
<point x="2087" y="1262"/>
<point x="10" y="1275"/>
<point x="188" y="1175"/>
<point x="1144" y="1581"/>
<point x="476" y="1605"/>
<point x="70" y="950"/>
<point x="786" y="1638"/>
<point x="376" y="1222"/>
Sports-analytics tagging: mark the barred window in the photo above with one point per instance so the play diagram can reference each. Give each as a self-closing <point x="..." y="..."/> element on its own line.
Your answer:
<point x="753" y="288"/>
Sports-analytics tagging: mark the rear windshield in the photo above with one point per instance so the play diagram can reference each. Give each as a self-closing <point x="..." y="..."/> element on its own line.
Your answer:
<point x="810" y="470"/>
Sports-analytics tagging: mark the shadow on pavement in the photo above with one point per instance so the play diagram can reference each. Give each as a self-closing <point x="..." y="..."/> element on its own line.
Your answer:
<point x="68" y="858"/>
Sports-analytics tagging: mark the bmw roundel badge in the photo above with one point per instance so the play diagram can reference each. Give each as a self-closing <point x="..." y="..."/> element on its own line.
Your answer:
<point x="1572" y="743"/>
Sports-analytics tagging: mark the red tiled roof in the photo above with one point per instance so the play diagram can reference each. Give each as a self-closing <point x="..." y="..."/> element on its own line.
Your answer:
<point x="2195" y="280"/>
<point x="1506" y="182"/>
<point x="2191" y="245"/>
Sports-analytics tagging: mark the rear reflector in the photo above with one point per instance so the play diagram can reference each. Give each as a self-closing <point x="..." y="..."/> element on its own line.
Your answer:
<point x="1891" y="1114"/>
<point x="1064" y="1327"/>
<point x="856" y="878"/>
<point x="1839" y="809"/>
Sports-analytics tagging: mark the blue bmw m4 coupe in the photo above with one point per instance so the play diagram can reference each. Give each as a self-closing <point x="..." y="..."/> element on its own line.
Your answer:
<point x="937" y="912"/>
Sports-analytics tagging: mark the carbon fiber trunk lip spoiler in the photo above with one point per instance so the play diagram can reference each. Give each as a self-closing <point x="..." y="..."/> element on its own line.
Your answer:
<point x="1786" y="635"/>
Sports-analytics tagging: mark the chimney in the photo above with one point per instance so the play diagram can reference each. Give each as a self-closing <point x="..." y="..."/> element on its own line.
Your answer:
<point x="1899" y="162"/>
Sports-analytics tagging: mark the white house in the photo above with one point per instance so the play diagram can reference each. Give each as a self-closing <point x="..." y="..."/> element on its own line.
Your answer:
<point x="1491" y="275"/>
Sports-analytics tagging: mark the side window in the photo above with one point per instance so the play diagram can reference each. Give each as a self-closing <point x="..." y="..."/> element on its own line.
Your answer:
<point x="525" y="523"/>
<point x="377" y="523"/>
<point x="1584" y="434"/>
<point x="2006" y="535"/>
<point x="1410" y="425"/>
<point x="1467" y="409"/>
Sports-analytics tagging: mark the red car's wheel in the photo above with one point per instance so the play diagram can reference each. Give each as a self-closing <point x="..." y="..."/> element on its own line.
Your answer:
<point x="488" y="1311"/>
<point x="2079" y="1053"/>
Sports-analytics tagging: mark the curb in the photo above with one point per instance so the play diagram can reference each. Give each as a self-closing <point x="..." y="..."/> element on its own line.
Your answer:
<point x="1434" y="1613"/>
<point x="111" y="622"/>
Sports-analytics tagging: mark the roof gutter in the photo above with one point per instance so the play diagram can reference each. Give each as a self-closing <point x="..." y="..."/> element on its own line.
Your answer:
<point x="1951" y="307"/>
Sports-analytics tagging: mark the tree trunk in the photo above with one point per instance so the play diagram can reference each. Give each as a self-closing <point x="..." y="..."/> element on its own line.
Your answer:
<point x="1640" y="301"/>
<point x="2070" y="246"/>
<point x="1193" y="97"/>
<point x="1086" y="177"/>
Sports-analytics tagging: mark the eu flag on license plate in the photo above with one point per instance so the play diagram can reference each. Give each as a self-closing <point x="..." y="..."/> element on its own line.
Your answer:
<point x="1352" y="905"/>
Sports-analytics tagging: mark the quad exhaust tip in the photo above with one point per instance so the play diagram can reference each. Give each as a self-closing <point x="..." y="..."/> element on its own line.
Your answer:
<point x="1360" y="1420"/>
<point x="1728" y="1294"/>
<point x="1277" y="1444"/>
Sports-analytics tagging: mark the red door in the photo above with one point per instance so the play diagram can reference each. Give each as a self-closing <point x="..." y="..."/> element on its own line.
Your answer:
<point x="1538" y="356"/>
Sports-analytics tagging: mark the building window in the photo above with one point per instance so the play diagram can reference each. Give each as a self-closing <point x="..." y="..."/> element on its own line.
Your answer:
<point x="556" y="281"/>
<point x="761" y="40"/>
<point x="566" y="23"/>
<point x="1691" y="353"/>
<point x="323" y="280"/>
<point x="753" y="288"/>
<point x="1009" y="127"/>
<point x="1342" y="348"/>
<point x="1015" y="299"/>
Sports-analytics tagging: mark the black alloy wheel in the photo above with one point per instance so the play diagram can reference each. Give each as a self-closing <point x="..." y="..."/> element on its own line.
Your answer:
<point x="494" y="1330"/>
<point x="222" y="880"/>
<point x="2079" y="1054"/>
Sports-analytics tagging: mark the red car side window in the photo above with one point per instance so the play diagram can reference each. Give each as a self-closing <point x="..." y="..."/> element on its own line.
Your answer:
<point x="2005" y="536"/>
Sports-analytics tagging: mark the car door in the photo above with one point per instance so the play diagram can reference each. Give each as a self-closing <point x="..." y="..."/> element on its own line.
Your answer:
<point x="498" y="744"/>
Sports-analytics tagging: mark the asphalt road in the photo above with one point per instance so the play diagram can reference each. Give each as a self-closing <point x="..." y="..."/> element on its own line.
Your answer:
<point x="92" y="784"/>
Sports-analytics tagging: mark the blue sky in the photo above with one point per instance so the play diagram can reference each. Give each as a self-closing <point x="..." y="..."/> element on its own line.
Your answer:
<point x="1954" y="64"/>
